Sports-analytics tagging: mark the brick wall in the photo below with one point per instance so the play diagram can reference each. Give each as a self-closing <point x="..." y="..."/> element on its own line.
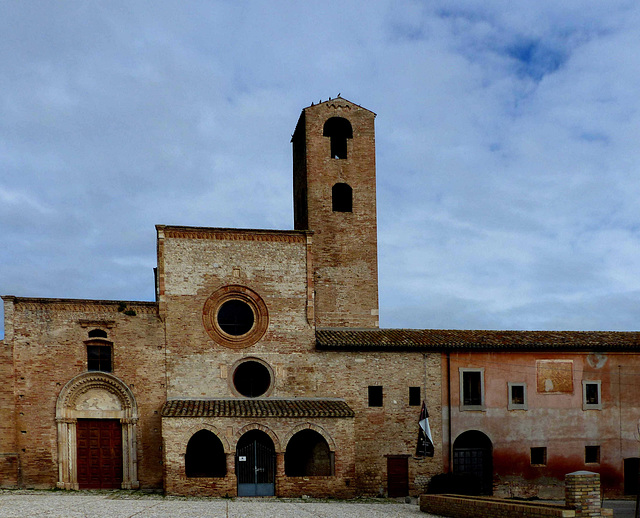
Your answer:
<point x="8" y="447"/>
<point x="344" y="243"/>
<point x="178" y="430"/>
<point x="48" y="338"/>
<point x="470" y="507"/>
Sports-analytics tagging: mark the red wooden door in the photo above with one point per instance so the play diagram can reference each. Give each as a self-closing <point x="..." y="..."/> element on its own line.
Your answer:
<point x="397" y="476"/>
<point x="99" y="444"/>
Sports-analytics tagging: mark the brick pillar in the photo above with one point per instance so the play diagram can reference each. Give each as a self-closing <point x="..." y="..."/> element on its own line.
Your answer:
<point x="582" y="493"/>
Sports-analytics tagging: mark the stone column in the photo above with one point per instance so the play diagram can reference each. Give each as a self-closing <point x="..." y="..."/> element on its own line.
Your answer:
<point x="67" y="454"/>
<point x="582" y="493"/>
<point x="129" y="454"/>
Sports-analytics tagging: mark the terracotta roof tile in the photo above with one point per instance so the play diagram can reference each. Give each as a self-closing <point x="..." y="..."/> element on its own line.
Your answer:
<point x="256" y="408"/>
<point x="443" y="340"/>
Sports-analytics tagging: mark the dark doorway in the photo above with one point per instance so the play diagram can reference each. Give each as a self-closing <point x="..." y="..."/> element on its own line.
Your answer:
<point x="308" y="455"/>
<point x="473" y="455"/>
<point x="205" y="456"/>
<point x="397" y="476"/>
<point x="255" y="464"/>
<point x="99" y="451"/>
<point x="631" y="478"/>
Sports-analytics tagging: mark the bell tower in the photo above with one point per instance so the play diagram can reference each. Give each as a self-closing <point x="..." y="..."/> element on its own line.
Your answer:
<point x="334" y="186"/>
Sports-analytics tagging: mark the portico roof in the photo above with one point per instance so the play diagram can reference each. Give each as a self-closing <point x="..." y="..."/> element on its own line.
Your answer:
<point x="258" y="407"/>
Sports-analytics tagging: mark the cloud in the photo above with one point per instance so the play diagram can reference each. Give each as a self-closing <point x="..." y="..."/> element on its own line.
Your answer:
<point x="506" y="145"/>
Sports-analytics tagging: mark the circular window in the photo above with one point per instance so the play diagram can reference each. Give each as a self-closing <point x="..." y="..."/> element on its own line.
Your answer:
<point x="252" y="378"/>
<point x="235" y="317"/>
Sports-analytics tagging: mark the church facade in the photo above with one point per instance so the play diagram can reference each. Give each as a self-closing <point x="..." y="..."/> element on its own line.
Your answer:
<point x="260" y="368"/>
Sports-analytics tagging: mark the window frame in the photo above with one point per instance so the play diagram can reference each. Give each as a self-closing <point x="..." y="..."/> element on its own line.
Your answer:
<point x="517" y="406"/>
<point x="462" y="372"/>
<point x="412" y="396"/>
<point x="99" y="344"/>
<point x="539" y="449"/>
<point x="591" y="406"/>
<point x="596" y="450"/>
<point x="372" y="396"/>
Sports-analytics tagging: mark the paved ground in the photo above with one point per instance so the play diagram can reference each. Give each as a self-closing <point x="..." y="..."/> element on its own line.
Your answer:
<point x="63" y="504"/>
<point x="129" y="504"/>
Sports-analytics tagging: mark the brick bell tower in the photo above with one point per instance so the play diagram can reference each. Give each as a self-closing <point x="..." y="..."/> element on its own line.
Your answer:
<point x="334" y="189"/>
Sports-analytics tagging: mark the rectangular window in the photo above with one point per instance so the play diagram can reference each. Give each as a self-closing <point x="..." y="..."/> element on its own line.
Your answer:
<point x="517" y="396"/>
<point x="471" y="389"/>
<point x="414" y="396"/>
<point x="592" y="454"/>
<point x="539" y="456"/>
<point x="99" y="358"/>
<point x="591" y="397"/>
<point x="375" y="395"/>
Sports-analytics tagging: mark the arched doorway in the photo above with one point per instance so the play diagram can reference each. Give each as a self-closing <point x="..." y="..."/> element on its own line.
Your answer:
<point x="256" y="464"/>
<point x="473" y="455"/>
<point x="205" y="456"/>
<point x="97" y="416"/>
<point x="308" y="455"/>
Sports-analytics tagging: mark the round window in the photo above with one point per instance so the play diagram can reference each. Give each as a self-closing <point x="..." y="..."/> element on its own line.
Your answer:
<point x="252" y="378"/>
<point x="235" y="317"/>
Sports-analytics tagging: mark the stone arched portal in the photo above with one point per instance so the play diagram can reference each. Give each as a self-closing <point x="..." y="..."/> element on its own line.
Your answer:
<point x="95" y="396"/>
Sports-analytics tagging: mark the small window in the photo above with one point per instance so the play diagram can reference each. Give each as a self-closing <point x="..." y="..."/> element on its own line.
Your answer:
<point x="342" y="198"/>
<point x="414" y="396"/>
<point x="592" y="454"/>
<point x="591" y="399"/>
<point x="97" y="333"/>
<point x="252" y="378"/>
<point x="539" y="456"/>
<point x="99" y="358"/>
<point x="338" y="129"/>
<point x="375" y="396"/>
<point x="471" y="389"/>
<point x="517" y="396"/>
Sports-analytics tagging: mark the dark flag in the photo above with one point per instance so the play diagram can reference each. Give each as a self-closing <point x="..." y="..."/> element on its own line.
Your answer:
<point x="425" y="440"/>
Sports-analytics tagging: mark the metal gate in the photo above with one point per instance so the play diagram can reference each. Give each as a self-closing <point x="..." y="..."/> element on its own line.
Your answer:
<point x="255" y="468"/>
<point x="476" y="462"/>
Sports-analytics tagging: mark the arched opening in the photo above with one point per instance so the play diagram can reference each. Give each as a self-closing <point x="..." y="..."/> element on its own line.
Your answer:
<point x="97" y="333"/>
<point x="473" y="456"/>
<point x="256" y="464"/>
<point x="308" y="455"/>
<point x="338" y="129"/>
<point x="342" y="198"/>
<point x="252" y="378"/>
<point x="205" y="456"/>
<point x="96" y="414"/>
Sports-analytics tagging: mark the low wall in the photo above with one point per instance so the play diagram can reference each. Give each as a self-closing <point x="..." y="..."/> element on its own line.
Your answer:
<point x="486" y="507"/>
<point x="582" y="500"/>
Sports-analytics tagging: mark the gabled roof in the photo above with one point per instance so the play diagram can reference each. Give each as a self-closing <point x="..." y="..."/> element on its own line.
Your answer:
<point x="450" y="340"/>
<point x="268" y="407"/>
<point x="337" y="101"/>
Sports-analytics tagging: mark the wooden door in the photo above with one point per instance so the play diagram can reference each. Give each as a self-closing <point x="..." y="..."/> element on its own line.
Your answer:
<point x="99" y="443"/>
<point x="397" y="476"/>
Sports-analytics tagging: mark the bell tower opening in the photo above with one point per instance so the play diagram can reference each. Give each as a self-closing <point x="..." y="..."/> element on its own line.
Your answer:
<point x="338" y="129"/>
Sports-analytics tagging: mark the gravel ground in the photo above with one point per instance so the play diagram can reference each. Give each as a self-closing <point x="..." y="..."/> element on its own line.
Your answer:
<point x="124" y="504"/>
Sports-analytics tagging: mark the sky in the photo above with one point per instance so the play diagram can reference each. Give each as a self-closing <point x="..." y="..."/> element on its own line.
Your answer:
<point x="507" y="139"/>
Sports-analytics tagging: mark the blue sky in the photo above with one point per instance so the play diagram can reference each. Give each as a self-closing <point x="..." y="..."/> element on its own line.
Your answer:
<point x="507" y="145"/>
